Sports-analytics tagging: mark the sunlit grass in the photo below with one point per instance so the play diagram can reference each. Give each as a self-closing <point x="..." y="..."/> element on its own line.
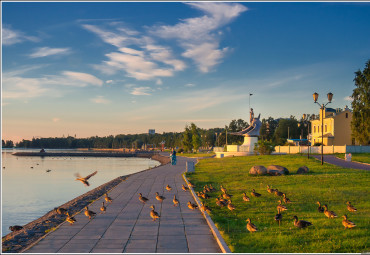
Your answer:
<point x="196" y="154"/>
<point x="328" y="184"/>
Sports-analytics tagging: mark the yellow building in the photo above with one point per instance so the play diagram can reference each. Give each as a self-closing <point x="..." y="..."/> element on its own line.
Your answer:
<point x="337" y="127"/>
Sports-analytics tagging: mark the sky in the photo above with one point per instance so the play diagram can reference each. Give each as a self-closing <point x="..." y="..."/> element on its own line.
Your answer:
<point x="106" y="68"/>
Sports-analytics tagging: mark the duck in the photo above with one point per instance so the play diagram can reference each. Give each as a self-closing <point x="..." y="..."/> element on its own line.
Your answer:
<point x="230" y="206"/>
<point x="60" y="210"/>
<point x="250" y="226"/>
<point x="329" y="214"/>
<point x="223" y="189"/>
<point x="15" y="228"/>
<point x="175" y="201"/>
<point x="70" y="219"/>
<point x="278" y="216"/>
<point x="154" y="214"/>
<point x="103" y="208"/>
<point x="347" y="223"/>
<point x="245" y="197"/>
<point x="108" y="199"/>
<point x="84" y="179"/>
<point x="350" y="207"/>
<point x="142" y="199"/>
<point x="159" y="198"/>
<point x="206" y="188"/>
<point x="168" y="187"/>
<point x="192" y="206"/>
<point x="212" y="188"/>
<point x="219" y="202"/>
<point x="255" y="194"/>
<point x="89" y="213"/>
<point x="226" y="196"/>
<point x="281" y="207"/>
<point x="278" y="193"/>
<point x="191" y="185"/>
<point x="269" y="190"/>
<point x="301" y="223"/>
<point x="285" y="199"/>
<point x="320" y="208"/>
<point x="184" y="188"/>
<point x="205" y="208"/>
<point x="205" y="195"/>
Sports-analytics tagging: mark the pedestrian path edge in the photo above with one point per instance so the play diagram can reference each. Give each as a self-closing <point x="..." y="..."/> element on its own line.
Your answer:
<point x="216" y="233"/>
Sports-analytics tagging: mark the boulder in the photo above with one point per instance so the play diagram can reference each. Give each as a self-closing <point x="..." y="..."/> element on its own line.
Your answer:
<point x="303" y="170"/>
<point x="277" y="170"/>
<point x="258" y="170"/>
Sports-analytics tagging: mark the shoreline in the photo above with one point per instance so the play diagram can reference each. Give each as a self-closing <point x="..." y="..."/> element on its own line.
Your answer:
<point x="34" y="231"/>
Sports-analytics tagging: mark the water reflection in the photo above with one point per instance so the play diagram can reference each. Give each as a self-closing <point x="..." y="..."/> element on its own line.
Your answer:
<point x="29" y="190"/>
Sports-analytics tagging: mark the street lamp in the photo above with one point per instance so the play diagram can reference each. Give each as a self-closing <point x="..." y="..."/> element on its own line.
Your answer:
<point x="322" y="108"/>
<point x="307" y="122"/>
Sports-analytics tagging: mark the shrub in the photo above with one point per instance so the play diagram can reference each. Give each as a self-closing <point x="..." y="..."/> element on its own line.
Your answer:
<point x="317" y="144"/>
<point x="264" y="147"/>
<point x="180" y="150"/>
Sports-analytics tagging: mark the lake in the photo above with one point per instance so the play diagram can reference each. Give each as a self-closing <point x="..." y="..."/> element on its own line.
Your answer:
<point x="29" y="191"/>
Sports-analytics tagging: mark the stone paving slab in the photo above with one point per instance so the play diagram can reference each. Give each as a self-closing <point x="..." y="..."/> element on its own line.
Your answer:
<point x="126" y="226"/>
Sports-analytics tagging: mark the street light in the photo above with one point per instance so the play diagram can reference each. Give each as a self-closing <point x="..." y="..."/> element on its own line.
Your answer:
<point x="322" y="108"/>
<point x="307" y="122"/>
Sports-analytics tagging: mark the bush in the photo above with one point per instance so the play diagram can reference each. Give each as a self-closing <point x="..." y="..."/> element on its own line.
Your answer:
<point x="317" y="144"/>
<point x="180" y="150"/>
<point x="264" y="147"/>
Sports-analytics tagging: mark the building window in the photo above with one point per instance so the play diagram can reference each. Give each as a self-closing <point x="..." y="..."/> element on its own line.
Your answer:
<point x="326" y="130"/>
<point x="314" y="129"/>
<point x="318" y="129"/>
<point x="346" y="115"/>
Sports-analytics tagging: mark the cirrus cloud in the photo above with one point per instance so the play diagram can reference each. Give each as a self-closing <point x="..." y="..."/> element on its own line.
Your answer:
<point x="46" y="51"/>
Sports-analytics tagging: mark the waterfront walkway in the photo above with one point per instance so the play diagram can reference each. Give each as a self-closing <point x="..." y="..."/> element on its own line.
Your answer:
<point x="127" y="227"/>
<point x="342" y="163"/>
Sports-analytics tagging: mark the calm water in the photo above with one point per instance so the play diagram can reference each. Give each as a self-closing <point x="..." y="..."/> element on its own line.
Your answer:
<point x="28" y="193"/>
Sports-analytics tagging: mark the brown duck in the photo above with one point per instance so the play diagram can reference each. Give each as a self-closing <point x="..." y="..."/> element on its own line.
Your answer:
<point x="285" y="199"/>
<point x="142" y="199"/>
<point x="168" y="187"/>
<point x="281" y="207"/>
<point x="278" y="193"/>
<point x="192" y="206"/>
<point x="159" y="198"/>
<point x="347" y="223"/>
<point x="230" y="206"/>
<point x="184" y="188"/>
<point x="175" y="201"/>
<point x="250" y="226"/>
<point x="220" y="203"/>
<point x="103" y="208"/>
<point x="255" y="194"/>
<point x="350" y="207"/>
<point x="269" y="190"/>
<point x="154" y="214"/>
<point x="107" y="198"/>
<point x="278" y="216"/>
<point x="60" y="210"/>
<point x="320" y="208"/>
<point x="301" y="223"/>
<point x="70" y="219"/>
<point x="245" y="197"/>
<point x="205" y="208"/>
<point x="329" y="214"/>
<point x="89" y="213"/>
<point x="84" y="179"/>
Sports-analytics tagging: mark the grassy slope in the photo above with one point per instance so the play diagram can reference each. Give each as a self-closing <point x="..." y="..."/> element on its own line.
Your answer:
<point x="328" y="184"/>
<point x="196" y="155"/>
<point x="359" y="157"/>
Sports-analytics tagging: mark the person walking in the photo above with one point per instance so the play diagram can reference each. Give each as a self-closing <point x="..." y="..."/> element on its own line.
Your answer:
<point x="173" y="157"/>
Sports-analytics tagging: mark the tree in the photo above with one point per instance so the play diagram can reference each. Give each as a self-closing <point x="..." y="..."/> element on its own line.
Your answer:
<point x="195" y="137"/>
<point x="187" y="139"/>
<point x="281" y="131"/>
<point x="264" y="147"/>
<point x="360" y="124"/>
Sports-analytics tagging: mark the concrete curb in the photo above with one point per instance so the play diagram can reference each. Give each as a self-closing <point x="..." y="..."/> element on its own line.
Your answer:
<point x="216" y="234"/>
<point x="354" y="161"/>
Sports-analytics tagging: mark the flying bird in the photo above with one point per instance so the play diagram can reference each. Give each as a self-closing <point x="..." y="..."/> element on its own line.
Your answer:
<point x="84" y="179"/>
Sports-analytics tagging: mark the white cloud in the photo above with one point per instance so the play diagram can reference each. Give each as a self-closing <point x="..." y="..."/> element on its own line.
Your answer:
<point x="46" y="51"/>
<point x="100" y="100"/>
<point x="10" y="36"/>
<point x="195" y="33"/>
<point x="85" y="78"/>
<point x="55" y="119"/>
<point x="109" y="81"/>
<point x="159" y="82"/>
<point x="348" y="98"/>
<point x="141" y="91"/>
<point x="16" y="86"/>
<point x="189" y="85"/>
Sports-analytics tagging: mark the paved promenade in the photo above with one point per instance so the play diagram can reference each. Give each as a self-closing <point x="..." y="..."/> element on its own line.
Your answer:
<point x="342" y="163"/>
<point x="127" y="227"/>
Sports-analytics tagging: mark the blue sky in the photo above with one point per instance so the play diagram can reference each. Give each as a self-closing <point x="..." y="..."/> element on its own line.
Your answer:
<point x="89" y="69"/>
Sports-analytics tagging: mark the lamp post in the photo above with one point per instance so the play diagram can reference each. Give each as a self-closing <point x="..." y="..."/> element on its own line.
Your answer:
<point x="322" y="108"/>
<point x="307" y="122"/>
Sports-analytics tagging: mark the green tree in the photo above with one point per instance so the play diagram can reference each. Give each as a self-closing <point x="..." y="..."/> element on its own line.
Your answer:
<point x="195" y="137"/>
<point x="284" y="127"/>
<point x="187" y="139"/>
<point x="361" y="106"/>
<point x="264" y="147"/>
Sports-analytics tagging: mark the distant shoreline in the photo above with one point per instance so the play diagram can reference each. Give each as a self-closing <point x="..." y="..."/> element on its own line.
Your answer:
<point x="33" y="231"/>
<point x="141" y="154"/>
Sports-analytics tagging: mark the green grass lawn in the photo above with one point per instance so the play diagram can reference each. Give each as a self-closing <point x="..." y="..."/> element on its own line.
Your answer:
<point x="359" y="157"/>
<point x="196" y="154"/>
<point x="328" y="184"/>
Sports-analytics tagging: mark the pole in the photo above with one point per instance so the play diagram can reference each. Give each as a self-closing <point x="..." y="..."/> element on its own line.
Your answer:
<point x="308" y="142"/>
<point x="322" y="134"/>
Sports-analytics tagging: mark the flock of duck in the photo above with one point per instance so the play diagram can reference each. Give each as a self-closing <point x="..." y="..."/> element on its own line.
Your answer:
<point x="224" y="200"/>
